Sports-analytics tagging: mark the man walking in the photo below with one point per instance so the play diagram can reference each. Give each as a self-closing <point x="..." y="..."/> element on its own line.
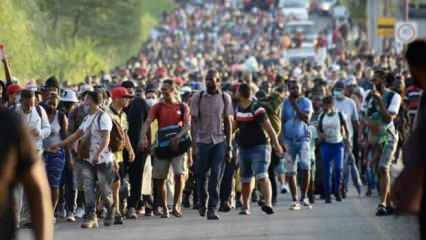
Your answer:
<point x="212" y="115"/>
<point x="297" y="111"/>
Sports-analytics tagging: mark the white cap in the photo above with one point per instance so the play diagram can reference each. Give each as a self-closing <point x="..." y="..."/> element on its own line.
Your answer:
<point x="85" y="88"/>
<point x="68" y="95"/>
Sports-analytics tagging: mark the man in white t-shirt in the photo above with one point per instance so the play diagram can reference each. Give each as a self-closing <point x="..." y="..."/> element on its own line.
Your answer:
<point x="35" y="118"/>
<point x="95" y="172"/>
<point x="347" y="106"/>
<point x="382" y="106"/>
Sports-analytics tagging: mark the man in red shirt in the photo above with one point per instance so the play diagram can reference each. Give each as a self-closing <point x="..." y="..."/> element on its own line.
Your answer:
<point x="169" y="112"/>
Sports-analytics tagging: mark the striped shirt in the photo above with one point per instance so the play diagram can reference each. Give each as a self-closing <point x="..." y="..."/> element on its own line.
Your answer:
<point x="250" y="122"/>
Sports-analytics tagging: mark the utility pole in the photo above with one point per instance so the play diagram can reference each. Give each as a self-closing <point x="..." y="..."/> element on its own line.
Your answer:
<point x="373" y="12"/>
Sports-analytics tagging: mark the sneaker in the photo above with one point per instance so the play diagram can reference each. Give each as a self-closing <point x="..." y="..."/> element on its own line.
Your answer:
<point x="245" y="211"/>
<point x="92" y="222"/>
<point x="131" y="213"/>
<point x="103" y="213"/>
<point x="79" y="213"/>
<point x="225" y="207"/>
<point x="268" y="210"/>
<point x="157" y="211"/>
<point x="306" y="203"/>
<point x="149" y="212"/>
<point x="338" y="197"/>
<point x="202" y="211"/>
<point x="390" y="211"/>
<point x="70" y="217"/>
<point x="381" y="211"/>
<point x="311" y="198"/>
<point x="109" y="218"/>
<point x="118" y="220"/>
<point x="369" y="193"/>
<point x="165" y="214"/>
<point x="211" y="215"/>
<point x="284" y="190"/>
<point x="295" y="206"/>
<point x="261" y="203"/>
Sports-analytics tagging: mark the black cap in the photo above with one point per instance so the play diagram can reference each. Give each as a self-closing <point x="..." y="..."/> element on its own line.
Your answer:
<point x="339" y="85"/>
<point x="26" y="93"/>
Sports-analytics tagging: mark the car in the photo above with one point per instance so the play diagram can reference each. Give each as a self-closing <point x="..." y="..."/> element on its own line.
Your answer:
<point x="324" y="6"/>
<point x="340" y="12"/>
<point x="307" y="28"/>
<point x="297" y="55"/>
<point x="293" y="9"/>
<point x="417" y="10"/>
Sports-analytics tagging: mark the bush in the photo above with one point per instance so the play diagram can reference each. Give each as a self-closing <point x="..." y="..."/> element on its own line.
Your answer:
<point x="71" y="39"/>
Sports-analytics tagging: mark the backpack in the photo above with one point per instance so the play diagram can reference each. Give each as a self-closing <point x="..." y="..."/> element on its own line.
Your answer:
<point x="163" y="149"/>
<point x="373" y="109"/>
<point x="117" y="135"/>
<point x="403" y="123"/>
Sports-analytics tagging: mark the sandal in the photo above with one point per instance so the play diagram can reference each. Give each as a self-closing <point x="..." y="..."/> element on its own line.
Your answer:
<point x="177" y="214"/>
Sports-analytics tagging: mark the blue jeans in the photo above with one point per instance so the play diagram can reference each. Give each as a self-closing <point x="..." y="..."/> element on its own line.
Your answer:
<point x="350" y="168"/>
<point x="254" y="162"/>
<point x="299" y="156"/>
<point x="332" y="158"/>
<point x="211" y="157"/>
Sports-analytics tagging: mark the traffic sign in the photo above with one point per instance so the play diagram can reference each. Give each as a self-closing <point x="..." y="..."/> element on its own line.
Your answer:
<point x="386" y="26"/>
<point x="406" y="32"/>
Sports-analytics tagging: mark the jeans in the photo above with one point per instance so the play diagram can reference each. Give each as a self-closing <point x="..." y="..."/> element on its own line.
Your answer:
<point x="275" y="162"/>
<point x="332" y="158"/>
<point x="210" y="157"/>
<point x="99" y="177"/>
<point x="351" y="168"/>
<point x="227" y="180"/>
<point x="254" y="162"/>
<point x="135" y="178"/>
<point x="70" y="188"/>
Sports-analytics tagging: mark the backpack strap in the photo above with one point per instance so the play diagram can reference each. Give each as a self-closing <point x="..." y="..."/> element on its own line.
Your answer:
<point x="61" y="120"/>
<point x="320" y="122"/>
<point x="182" y="112"/>
<point x="38" y="109"/>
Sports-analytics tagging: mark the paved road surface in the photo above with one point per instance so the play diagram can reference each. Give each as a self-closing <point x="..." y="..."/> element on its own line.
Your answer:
<point x="351" y="220"/>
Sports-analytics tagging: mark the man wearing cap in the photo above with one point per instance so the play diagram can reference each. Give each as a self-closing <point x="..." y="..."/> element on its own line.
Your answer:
<point x="137" y="112"/>
<point x="348" y="107"/>
<point x="13" y="91"/>
<point x="120" y="100"/>
<point x="36" y="120"/>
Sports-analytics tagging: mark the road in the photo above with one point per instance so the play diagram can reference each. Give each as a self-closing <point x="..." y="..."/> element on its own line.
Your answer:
<point x="351" y="220"/>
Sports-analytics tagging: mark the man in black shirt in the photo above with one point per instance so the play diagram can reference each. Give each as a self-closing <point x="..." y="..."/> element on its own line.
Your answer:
<point x="137" y="112"/>
<point x="254" y="148"/>
<point x="19" y="164"/>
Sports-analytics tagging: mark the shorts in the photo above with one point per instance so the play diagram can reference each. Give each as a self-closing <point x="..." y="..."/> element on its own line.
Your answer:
<point x="55" y="165"/>
<point x="298" y="156"/>
<point x="161" y="167"/>
<point x="389" y="150"/>
<point x="254" y="161"/>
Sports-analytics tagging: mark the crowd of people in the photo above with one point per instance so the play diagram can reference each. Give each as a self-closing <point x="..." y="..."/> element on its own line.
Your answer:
<point x="209" y="116"/>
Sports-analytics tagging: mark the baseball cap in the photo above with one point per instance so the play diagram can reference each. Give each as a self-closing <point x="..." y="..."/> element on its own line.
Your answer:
<point x="339" y="85"/>
<point x="120" y="92"/>
<point x="13" y="89"/>
<point x="69" y="95"/>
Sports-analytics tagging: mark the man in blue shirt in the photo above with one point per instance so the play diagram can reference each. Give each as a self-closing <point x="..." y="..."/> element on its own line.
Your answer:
<point x="296" y="114"/>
